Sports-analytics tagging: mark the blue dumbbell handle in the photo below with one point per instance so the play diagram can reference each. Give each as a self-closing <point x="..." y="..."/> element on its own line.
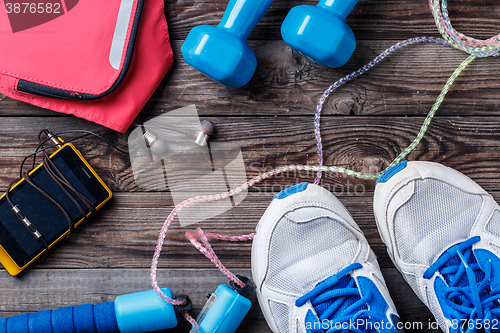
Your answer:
<point x="87" y="318"/>
<point x="341" y="8"/>
<point x="241" y="16"/>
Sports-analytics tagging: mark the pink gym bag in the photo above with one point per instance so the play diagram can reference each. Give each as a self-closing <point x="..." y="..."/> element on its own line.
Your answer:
<point x="100" y="60"/>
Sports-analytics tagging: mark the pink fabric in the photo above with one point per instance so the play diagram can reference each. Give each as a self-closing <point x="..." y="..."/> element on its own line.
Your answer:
<point x="151" y="61"/>
<point x="70" y="52"/>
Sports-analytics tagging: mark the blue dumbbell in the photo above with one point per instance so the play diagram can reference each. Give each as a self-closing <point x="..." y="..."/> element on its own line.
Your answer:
<point x="320" y="33"/>
<point x="132" y="313"/>
<point x="222" y="52"/>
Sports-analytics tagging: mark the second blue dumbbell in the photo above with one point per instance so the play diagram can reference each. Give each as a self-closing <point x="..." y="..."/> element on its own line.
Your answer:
<point x="320" y="32"/>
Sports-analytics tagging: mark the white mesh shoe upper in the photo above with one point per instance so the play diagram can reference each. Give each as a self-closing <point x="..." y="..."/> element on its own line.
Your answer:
<point x="302" y="254"/>
<point x="425" y="209"/>
<point x="493" y="225"/>
<point x="437" y="216"/>
<point x="302" y="240"/>
<point x="280" y="313"/>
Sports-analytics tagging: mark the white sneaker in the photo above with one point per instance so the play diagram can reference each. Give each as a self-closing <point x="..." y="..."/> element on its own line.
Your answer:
<point x="442" y="231"/>
<point x="314" y="270"/>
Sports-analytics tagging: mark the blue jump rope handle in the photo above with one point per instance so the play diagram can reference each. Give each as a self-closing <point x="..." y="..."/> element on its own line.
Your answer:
<point x="86" y="318"/>
<point x="131" y="313"/>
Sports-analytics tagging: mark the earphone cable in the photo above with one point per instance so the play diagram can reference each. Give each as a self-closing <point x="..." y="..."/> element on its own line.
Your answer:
<point x="58" y="177"/>
<point x="40" y="147"/>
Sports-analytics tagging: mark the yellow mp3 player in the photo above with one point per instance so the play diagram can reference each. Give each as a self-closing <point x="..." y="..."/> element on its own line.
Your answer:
<point x="18" y="247"/>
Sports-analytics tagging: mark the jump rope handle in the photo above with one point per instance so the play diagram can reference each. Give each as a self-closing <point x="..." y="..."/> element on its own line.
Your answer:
<point x="132" y="313"/>
<point x="82" y="318"/>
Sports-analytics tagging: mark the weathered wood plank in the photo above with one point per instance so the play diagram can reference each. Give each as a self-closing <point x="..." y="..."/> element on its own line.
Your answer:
<point x="367" y="144"/>
<point x="52" y="289"/>
<point x="124" y="234"/>
<point x="370" y="19"/>
<point x="407" y="83"/>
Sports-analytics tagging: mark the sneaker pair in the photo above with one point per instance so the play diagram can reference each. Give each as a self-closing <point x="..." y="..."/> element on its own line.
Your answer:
<point x="315" y="272"/>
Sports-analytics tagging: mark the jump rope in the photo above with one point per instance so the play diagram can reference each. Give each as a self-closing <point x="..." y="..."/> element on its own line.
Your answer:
<point x="474" y="47"/>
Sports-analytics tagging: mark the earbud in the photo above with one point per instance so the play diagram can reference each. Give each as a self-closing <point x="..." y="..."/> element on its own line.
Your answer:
<point x="206" y="129"/>
<point x="157" y="145"/>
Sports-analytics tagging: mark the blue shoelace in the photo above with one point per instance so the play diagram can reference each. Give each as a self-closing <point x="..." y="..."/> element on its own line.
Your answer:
<point x="469" y="291"/>
<point x="338" y="301"/>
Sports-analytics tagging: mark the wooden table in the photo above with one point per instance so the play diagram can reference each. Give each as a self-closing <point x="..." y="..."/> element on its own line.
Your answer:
<point x="365" y="124"/>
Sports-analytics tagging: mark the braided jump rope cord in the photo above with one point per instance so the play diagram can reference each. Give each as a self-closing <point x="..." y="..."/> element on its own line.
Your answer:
<point x="271" y="173"/>
<point x="453" y="38"/>
<point x="423" y="128"/>
<point x="185" y="203"/>
<point x="477" y="47"/>
<point x="208" y="251"/>
<point x="182" y="205"/>
<point x="349" y="77"/>
<point x="193" y="323"/>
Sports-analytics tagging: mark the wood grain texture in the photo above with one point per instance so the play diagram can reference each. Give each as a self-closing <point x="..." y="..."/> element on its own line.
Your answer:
<point x="361" y="143"/>
<point x="406" y="83"/>
<point x="125" y="232"/>
<point x="370" y="19"/>
<point x="365" y="124"/>
<point x="97" y="285"/>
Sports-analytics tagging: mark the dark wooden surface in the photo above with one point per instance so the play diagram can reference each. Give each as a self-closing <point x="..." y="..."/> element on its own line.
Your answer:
<point x="365" y="124"/>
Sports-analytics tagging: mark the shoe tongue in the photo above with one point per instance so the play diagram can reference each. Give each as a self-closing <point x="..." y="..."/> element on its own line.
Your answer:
<point x="349" y="300"/>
